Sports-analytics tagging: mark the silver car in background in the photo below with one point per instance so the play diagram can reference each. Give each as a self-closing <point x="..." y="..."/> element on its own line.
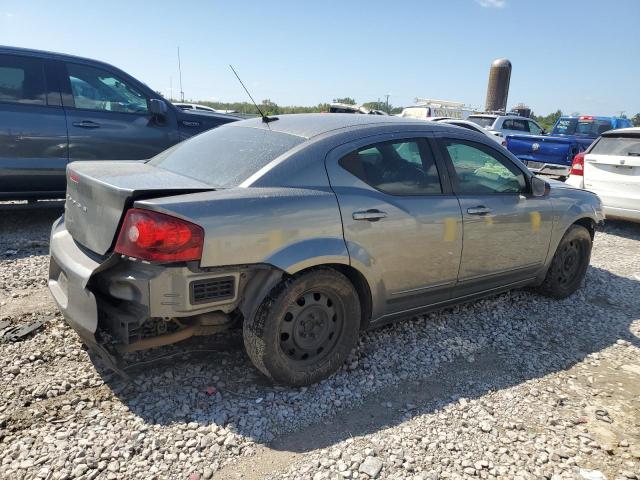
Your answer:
<point x="305" y="230"/>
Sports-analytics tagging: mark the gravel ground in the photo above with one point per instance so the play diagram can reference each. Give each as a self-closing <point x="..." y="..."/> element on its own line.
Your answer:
<point x="515" y="386"/>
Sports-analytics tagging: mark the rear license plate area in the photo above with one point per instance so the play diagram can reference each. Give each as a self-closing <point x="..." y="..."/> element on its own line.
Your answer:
<point x="532" y="164"/>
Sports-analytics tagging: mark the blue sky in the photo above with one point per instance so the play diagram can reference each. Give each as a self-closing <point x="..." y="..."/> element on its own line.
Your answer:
<point x="580" y="56"/>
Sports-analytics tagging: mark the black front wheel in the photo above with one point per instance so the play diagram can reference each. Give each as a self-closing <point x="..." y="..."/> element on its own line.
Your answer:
<point x="569" y="264"/>
<point x="305" y="328"/>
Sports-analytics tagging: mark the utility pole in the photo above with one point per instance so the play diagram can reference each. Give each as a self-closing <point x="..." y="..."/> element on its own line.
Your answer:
<point x="180" y="71"/>
<point x="387" y="95"/>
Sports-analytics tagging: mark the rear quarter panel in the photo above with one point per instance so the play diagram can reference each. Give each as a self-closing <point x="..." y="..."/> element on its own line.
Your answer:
<point x="289" y="228"/>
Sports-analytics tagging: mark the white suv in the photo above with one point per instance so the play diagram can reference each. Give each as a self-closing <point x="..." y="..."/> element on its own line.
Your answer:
<point x="506" y="124"/>
<point x="611" y="168"/>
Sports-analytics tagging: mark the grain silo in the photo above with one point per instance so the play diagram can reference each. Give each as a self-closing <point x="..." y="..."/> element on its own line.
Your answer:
<point x="498" y="88"/>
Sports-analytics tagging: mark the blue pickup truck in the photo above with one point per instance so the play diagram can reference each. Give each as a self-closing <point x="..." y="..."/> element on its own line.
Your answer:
<point x="552" y="154"/>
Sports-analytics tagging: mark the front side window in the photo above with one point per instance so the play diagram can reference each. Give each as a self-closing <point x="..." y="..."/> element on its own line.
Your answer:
<point x="481" y="170"/>
<point x="97" y="89"/>
<point x="22" y="80"/>
<point x="535" y="129"/>
<point x="397" y="168"/>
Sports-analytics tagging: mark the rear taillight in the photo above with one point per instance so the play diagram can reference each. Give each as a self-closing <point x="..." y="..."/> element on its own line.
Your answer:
<point x="157" y="237"/>
<point x="577" y="167"/>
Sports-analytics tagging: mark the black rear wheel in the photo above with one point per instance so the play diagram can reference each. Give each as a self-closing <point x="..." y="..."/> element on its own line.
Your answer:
<point x="305" y="328"/>
<point x="569" y="264"/>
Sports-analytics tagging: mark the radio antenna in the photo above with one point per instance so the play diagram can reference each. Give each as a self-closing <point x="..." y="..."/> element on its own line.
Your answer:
<point x="265" y="118"/>
<point x="180" y="70"/>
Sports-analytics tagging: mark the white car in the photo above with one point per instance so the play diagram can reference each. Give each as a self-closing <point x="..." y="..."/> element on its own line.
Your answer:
<point x="610" y="167"/>
<point x="508" y="124"/>
<point x="475" y="127"/>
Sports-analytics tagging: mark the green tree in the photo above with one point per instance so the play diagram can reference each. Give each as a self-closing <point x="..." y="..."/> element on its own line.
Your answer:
<point x="636" y="120"/>
<point x="547" y="121"/>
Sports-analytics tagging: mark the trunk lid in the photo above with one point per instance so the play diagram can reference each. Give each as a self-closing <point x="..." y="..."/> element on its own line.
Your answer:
<point x="542" y="149"/>
<point x="615" y="178"/>
<point x="98" y="194"/>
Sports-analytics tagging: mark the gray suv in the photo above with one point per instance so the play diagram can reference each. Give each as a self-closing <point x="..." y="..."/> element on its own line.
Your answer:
<point x="55" y="109"/>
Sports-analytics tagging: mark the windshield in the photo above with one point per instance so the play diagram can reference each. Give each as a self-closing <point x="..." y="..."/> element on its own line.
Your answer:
<point x="482" y="121"/>
<point x="588" y="128"/>
<point x="624" y="146"/>
<point x="225" y="156"/>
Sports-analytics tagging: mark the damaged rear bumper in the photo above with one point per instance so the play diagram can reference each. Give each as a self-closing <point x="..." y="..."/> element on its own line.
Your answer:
<point x="137" y="305"/>
<point x="70" y="269"/>
<point x="69" y="272"/>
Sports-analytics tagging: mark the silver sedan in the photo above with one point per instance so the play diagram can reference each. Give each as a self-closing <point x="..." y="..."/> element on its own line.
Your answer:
<point x="303" y="230"/>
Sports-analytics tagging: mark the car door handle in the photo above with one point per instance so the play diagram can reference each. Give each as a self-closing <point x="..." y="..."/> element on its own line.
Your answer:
<point x="479" y="210"/>
<point x="86" y="124"/>
<point x="372" y="215"/>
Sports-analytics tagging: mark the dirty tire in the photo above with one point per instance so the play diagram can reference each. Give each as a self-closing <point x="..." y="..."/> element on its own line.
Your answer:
<point x="303" y="331"/>
<point x="569" y="264"/>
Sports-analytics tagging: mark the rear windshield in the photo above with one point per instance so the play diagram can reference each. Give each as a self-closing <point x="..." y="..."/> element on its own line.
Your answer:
<point x="225" y="156"/>
<point x="625" y="146"/>
<point x="482" y="121"/>
<point x="589" y="128"/>
<point x="416" y="112"/>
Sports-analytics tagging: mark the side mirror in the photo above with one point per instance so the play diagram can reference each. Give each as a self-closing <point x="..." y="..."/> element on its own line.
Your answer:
<point x="157" y="107"/>
<point x="539" y="188"/>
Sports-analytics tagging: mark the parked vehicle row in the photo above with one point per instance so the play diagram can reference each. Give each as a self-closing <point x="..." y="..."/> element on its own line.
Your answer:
<point x="200" y="108"/>
<point x="348" y="108"/>
<point x="307" y="229"/>
<point x="473" y="127"/>
<point x="553" y="154"/>
<point x="55" y="109"/>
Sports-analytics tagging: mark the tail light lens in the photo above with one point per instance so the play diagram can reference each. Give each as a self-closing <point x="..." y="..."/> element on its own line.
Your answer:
<point x="157" y="237"/>
<point x="577" y="167"/>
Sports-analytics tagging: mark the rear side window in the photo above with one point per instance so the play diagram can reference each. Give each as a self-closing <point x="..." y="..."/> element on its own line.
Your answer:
<point x="22" y="80"/>
<point x="403" y="167"/>
<point x="482" y="121"/>
<point x="97" y="89"/>
<point x="481" y="170"/>
<point x="225" y="156"/>
<point x="517" y="125"/>
<point x="624" y="146"/>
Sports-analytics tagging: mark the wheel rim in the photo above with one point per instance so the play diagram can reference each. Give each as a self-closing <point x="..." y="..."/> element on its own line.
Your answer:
<point x="570" y="262"/>
<point x="311" y="327"/>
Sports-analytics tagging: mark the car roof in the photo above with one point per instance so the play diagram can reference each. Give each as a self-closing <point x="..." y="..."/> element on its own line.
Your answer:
<point x="46" y="54"/>
<point x="308" y="125"/>
<point x="623" y="132"/>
